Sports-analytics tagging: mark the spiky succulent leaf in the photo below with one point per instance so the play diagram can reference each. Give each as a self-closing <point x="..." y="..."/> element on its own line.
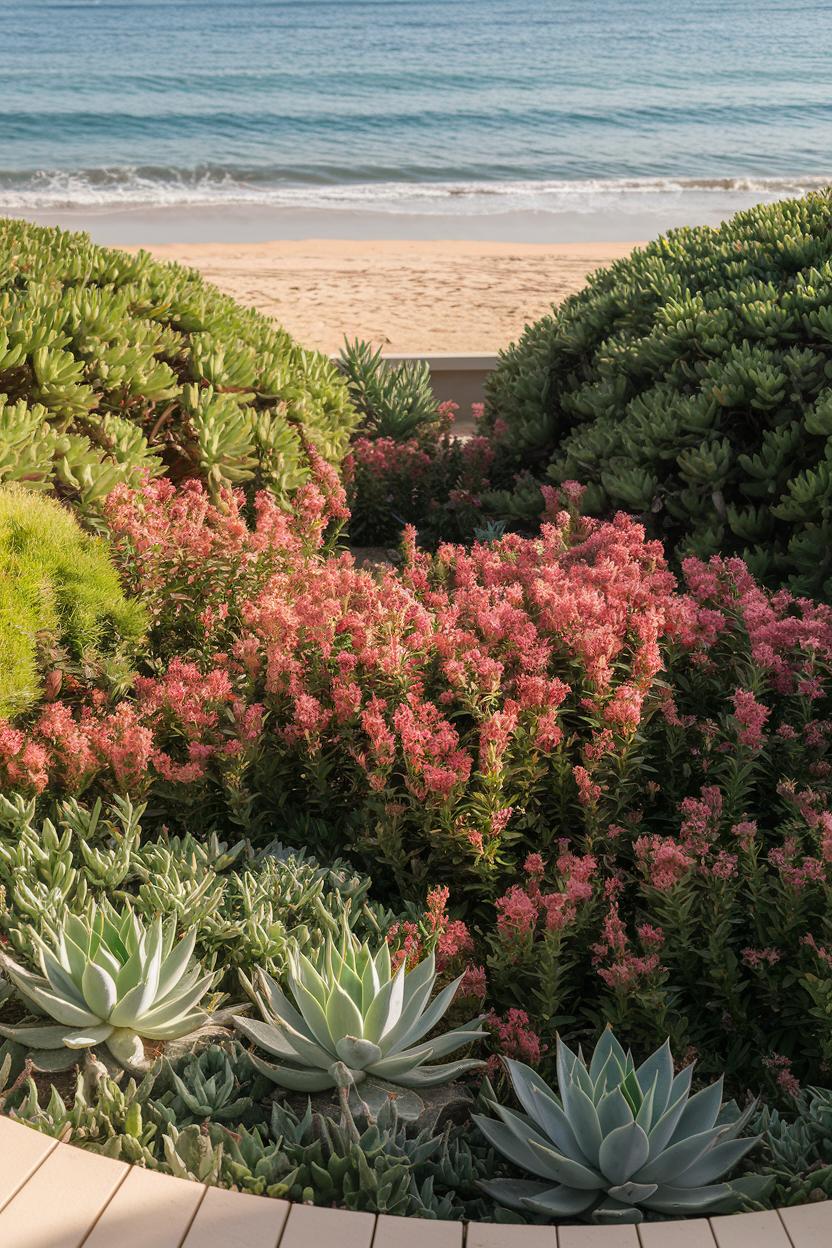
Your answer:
<point x="617" y="1139"/>
<point x="107" y="979"/>
<point x="350" y="1008"/>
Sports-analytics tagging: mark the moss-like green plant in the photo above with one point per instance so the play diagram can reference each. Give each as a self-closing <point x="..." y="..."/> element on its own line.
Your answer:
<point x="114" y="365"/>
<point x="691" y="383"/>
<point x="58" y="586"/>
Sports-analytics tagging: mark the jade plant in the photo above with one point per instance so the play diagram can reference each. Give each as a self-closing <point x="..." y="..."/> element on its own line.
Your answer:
<point x="618" y="1140"/>
<point x="108" y="979"/>
<point x="352" y="1011"/>
<point x="115" y="366"/>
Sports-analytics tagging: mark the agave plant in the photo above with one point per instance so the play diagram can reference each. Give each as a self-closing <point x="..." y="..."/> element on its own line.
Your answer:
<point x="618" y="1140"/>
<point x="351" y="1010"/>
<point x="108" y="979"/>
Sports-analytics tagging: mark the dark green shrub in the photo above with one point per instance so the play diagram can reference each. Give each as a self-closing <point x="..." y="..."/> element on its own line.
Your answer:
<point x="57" y="587"/>
<point x="691" y="383"/>
<point x="113" y="364"/>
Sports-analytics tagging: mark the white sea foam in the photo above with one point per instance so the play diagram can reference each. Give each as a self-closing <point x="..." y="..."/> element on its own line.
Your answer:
<point x="128" y="187"/>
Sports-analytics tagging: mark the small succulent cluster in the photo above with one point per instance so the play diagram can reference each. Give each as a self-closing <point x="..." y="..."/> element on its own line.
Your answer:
<point x="248" y="907"/>
<point x="393" y="400"/>
<point x="689" y="383"/>
<point x="114" y="366"/>
<point x="796" y="1147"/>
<point x="353" y="1018"/>
<point x="619" y="1140"/>
<point x="383" y="1164"/>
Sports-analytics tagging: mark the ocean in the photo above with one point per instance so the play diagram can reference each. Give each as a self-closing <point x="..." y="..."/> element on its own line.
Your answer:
<point x="547" y="120"/>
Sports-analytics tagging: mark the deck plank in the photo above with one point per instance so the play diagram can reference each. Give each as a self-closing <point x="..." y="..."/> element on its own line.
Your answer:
<point x="392" y="1232"/>
<point x="310" y="1227"/>
<point x="62" y="1200"/>
<point x="597" y="1237"/>
<point x="499" y="1235"/>
<point x="750" y="1230"/>
<point x="22" y="1150"/>
<point x="149" y="1210"/>
<point x="809" y="1226"/>
<point x="693" y="1233"/>
<point x="237" y="1220"/>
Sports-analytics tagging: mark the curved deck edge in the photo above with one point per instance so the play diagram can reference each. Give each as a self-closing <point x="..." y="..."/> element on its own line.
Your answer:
<point x="54" y="1195"/>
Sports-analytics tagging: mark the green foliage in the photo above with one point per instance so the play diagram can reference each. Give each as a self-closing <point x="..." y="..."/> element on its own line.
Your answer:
<point x="217" y="1084"/>
<point x="618" y="1140"/>
<point x="353" y="1017"/>
<point x="59" y="595"/>
<point x="393" y="400"/>
<point x="108" y="979"/>
<point x="796" y="1148"/>
<point x="114" y="365"/>
<point x="246" y="908"/>
<point x="381" y="1164"/>
<point x="692" y="383"/>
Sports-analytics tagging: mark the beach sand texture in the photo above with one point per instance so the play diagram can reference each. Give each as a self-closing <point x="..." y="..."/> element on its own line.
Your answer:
<point x="401" y="296"/>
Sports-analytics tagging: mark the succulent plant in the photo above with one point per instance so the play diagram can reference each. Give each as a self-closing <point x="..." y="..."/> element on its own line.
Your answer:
<point x="394" y="400"/>
<point x="109" y="980"/>
<point x="101" y="1115"/>
<point x="351" y="1009"/>
<point x="215" y="1084"/>
<point x="114" y="367"/>
<point x="618" y="1140"/>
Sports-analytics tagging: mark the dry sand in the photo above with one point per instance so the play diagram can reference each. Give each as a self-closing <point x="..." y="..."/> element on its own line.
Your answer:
<point x="401" y="296"/>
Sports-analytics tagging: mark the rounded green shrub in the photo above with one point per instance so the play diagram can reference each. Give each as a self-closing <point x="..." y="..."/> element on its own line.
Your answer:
<point x="57" y="588"/>
<point x="113" y="365"/>
<point x="691" y="383"/>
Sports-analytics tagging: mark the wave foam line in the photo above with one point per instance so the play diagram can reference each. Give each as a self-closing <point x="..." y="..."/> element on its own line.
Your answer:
<point x="131" y="187"/>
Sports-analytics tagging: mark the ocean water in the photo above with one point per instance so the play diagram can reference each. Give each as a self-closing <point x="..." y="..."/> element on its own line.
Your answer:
<point x="538" y="118"/>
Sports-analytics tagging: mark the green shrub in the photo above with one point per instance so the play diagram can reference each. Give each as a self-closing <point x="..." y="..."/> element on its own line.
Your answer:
<point x="691" y="383"/>
<point x="113" y="364"/>
<point x="57" y="587"/>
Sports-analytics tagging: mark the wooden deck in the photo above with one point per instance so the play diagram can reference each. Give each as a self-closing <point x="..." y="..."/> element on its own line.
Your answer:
<point x="55" y="1196"/>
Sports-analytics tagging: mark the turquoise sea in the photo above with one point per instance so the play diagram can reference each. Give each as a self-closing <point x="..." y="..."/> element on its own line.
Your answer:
<point x="559" y="116"/>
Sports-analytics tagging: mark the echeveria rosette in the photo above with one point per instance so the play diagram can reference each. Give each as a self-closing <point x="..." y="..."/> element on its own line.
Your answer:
<point x="618" y="1140"/>
<point x="351" y="1010"/>
<point x="107" y="979"/>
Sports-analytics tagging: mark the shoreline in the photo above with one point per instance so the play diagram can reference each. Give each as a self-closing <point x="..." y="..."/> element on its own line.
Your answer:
<point x="427" y="296"/>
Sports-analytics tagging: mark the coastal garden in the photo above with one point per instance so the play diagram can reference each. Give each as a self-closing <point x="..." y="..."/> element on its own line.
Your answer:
<point x="487" y="878"/>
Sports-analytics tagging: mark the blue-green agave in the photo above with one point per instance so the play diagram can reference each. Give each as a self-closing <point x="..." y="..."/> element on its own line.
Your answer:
<point x="351" y="1010"/>
<point x="618" y="1140"/>
<point x="107" y="979"/>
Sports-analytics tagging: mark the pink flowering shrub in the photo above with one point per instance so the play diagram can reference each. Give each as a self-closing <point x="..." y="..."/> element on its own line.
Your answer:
<point x="618" y="786"/>
<point x="433" y="481"/>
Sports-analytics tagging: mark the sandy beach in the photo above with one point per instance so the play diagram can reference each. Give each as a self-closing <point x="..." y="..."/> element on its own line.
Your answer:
<point x="428" y="296"/>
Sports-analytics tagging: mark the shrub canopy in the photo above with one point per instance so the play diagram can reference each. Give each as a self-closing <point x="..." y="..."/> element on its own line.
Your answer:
<point x="691" y="383"/>
<point x="57" y="587"/>
<point x="113" y="364"/>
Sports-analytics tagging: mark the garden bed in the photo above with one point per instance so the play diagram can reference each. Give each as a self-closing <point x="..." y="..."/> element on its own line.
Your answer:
<point x="489" y="884"/>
